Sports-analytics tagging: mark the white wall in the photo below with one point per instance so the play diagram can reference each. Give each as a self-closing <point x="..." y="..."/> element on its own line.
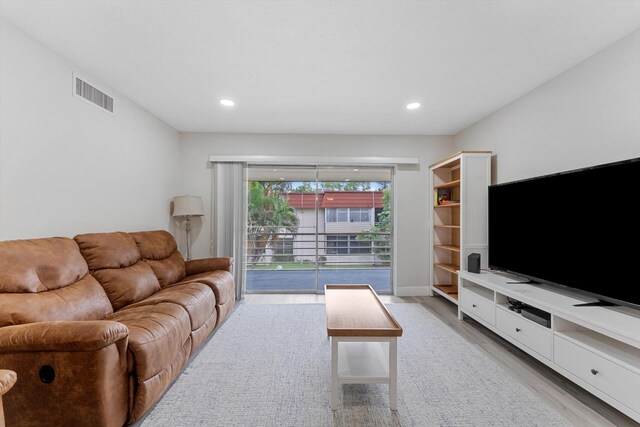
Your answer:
<point x="586" y="116"/>
<point x="66" y="167"/>
<point x="411" y="183"/>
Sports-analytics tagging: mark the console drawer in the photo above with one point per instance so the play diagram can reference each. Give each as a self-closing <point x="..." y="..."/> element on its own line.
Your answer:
<point x="618" y="382"/>
<point x="536" y="337"/>
<point x="478" y="306"/>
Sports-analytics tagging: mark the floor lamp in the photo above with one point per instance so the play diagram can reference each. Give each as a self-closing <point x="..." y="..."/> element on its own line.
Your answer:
<point x="187" y="207"/>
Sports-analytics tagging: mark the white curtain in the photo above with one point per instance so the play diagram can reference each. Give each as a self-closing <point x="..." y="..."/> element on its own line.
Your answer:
<point x="229" y="196"/>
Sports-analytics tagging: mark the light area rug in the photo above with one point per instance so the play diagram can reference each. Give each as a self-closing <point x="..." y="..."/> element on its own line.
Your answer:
<point x="269" y="365"/>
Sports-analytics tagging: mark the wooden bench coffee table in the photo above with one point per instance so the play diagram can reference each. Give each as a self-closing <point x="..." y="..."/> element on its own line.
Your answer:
<point x="364" y="346"/>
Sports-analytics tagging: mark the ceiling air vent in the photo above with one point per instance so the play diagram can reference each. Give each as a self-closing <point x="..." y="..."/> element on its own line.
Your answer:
<point x="93" y="95"/>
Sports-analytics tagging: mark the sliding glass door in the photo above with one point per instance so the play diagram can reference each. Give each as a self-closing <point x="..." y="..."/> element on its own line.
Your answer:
<point x="311" y="226"/>
<point x="354" y="236"/>
<point x="281" y="248"/>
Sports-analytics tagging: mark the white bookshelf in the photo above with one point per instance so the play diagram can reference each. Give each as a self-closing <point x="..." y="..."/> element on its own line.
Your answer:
<point x="459" y="227"/>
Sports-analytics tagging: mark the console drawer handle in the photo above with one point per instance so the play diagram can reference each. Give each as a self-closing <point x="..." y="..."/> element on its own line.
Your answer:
<point x="518" y="329"/>
<point x="473" y="305"/>
<point x="594" y="372"/>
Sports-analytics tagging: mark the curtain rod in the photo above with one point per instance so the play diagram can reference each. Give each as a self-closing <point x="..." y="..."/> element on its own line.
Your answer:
<point x="315" y="160"/>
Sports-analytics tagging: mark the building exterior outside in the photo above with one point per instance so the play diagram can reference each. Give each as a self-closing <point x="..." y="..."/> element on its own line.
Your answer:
<point x="342" y="216"/>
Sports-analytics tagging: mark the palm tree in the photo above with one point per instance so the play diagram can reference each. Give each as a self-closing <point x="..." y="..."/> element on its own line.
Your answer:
<point x="269" y="216"/>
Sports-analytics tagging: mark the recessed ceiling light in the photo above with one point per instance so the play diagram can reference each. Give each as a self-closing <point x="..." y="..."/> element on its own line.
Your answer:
<point x="413" y="106"/>
<point x="275" y="170"/>
<point x="347" y="180"/>
<point x="227" y="102"/>
<point x="281" y="179"/>
<point x="356" y="170"/>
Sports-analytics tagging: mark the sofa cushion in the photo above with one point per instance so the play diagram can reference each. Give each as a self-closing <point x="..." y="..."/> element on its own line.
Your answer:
<point x="169" y="270"/>
<point x="155" y="244"/>
<point x="47" y="280"/>
<point x="127" y="285"/>
<point x="40" y="264"/>
<point x="220" y="281"/>
<point x="83" y="300"/>
<point x="197" y="299"/>
<point x="115" y="262"/>
<point x="159" y="249"/>
<point x="157" y="334"/>
<point x="108" y="250"/>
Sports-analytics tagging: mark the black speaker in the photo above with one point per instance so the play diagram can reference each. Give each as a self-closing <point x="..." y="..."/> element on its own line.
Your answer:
<point x="473" y="263"/>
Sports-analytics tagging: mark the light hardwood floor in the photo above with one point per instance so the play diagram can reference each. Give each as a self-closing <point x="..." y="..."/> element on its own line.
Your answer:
<point x="577" y="405"/>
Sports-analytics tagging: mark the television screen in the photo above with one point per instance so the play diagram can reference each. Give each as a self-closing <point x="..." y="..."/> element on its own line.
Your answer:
<point x="579" y="229"/>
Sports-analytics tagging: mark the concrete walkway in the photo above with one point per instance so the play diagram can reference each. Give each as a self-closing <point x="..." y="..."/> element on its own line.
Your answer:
<point x="305" y="280"/>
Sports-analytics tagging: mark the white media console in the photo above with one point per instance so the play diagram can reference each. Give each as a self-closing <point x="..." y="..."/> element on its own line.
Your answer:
<point x="598" y="348"/>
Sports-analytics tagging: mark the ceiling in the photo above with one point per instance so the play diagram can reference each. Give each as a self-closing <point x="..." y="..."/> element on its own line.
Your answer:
<point x="346" y="67"/>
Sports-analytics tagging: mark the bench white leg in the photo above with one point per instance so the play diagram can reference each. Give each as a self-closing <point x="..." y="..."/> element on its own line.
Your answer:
<point x="334" y="373"/>
<point x="393" y="373"/>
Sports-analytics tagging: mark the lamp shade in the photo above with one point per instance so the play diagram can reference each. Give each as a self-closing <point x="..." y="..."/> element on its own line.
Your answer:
<point x="188" y="206"/>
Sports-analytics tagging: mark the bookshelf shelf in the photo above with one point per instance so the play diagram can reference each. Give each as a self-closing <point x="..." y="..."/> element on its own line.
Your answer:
<point x="448" y="247"/>
<point x="450" y="292"/>
<point x="451" y="268"/>
<point x="451" y="184"/>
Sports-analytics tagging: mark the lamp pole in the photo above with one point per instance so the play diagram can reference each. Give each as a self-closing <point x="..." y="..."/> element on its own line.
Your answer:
<point x="188" y="227"/>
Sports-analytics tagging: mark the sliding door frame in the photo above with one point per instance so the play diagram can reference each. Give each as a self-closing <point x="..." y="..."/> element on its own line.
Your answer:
<point x="318" y="166"/>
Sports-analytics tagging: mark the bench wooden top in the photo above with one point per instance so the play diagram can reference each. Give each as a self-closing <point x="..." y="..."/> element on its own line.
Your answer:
<point x="356" y="311"/>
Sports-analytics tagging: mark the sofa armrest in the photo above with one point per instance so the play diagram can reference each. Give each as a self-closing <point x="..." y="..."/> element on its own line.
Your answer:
<point x="204" y="265"/>
<point x="7" y="380"/>
<point x="61" y="336"/>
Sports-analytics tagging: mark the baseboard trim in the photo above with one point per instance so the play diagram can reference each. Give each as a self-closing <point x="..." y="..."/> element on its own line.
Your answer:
<point x="412" y="291"/>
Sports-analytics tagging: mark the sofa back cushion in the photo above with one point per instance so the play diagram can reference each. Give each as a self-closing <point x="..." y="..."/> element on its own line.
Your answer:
<point x="47" y="280"/>
<point x="159" y="249"/>
<point x="114" y="260"/>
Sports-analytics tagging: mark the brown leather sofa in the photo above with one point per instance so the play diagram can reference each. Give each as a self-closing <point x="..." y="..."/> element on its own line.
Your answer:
<point x="98" y="327"/>
<point x="7" y="380"/>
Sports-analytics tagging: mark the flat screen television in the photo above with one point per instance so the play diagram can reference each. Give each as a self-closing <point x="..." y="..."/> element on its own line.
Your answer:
<point x="577" y="229"/>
